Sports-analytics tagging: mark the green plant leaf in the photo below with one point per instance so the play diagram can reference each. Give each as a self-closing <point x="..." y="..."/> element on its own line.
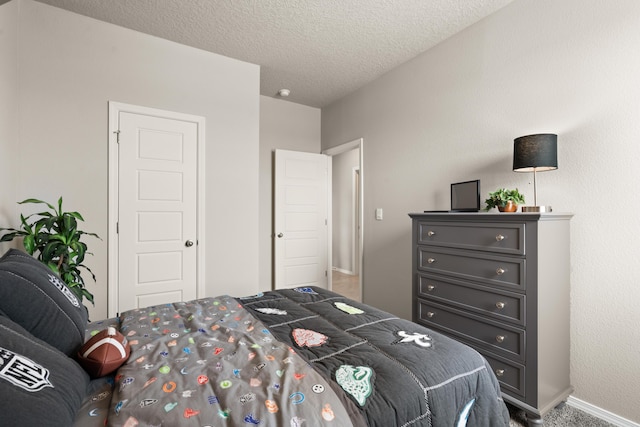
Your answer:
<point x="27" y="227"/>
<point x="29" y="244"/>
<point x="76" y="215"/>
<point x="37" y="201"/>
<point x="90" y="234"/>
<point x="58" y="237"/>
<point x="53" y="266"/>
<point x="10" y="236"/>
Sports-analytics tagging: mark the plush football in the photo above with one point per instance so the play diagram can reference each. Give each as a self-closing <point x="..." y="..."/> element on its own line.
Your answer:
<point x="103" y="353"/>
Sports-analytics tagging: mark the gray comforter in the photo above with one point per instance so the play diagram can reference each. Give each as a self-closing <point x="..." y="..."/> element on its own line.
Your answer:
<point x="298" y="357"/>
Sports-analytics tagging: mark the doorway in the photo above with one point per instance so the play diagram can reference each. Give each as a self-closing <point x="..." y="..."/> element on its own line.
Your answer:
<point x="346" y="219"/>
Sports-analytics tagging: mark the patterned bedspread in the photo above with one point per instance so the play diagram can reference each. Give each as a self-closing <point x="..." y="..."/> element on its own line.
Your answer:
<point x="296" y="357"/>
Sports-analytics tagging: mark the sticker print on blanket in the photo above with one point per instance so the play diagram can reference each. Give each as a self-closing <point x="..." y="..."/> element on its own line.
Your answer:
<point x="210" y="362"/>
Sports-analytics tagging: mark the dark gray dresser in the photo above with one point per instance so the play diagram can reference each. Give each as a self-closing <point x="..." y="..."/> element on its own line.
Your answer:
<point x="499" y="282"/>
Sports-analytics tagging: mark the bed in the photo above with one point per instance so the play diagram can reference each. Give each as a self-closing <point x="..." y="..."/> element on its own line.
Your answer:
<point x="294" y="357"/>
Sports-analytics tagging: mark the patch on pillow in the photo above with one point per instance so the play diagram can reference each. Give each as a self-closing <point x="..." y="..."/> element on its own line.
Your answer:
<point x="23" y="372"/>
<point x="64" y="290"/>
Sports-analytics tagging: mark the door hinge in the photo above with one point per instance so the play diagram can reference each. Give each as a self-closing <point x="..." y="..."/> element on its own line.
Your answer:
<point x="326" y="274"/>
<point x="117" y="132"/>
<point x="117" y="228"/>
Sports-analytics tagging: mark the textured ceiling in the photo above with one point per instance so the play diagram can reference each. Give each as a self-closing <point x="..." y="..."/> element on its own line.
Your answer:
<point x="319" y="49"/>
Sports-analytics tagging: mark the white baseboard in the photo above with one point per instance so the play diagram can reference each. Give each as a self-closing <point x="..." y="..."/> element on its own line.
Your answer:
<point x="343" y="271"/>
<point x="600" y="413"/>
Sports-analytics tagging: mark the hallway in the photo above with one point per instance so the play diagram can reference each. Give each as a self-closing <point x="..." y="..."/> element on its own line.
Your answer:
<point x="347" y="285"/>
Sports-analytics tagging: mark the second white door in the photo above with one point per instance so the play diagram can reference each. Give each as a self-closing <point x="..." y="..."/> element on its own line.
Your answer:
<point x="301" y="206"/>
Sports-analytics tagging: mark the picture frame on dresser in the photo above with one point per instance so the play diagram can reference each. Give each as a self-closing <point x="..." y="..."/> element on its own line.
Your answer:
<point x="465" y="196"/>
<point x="500" y="284"/>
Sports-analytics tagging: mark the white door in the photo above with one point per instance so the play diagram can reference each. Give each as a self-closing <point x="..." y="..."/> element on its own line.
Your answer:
<point x="157" y="210"/>
<point x="301" y="206"/>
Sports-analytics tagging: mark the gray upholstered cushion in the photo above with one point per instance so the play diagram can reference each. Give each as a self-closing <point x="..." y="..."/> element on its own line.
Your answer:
<point x="34" y="297"/>
<point x="39" y="385"/>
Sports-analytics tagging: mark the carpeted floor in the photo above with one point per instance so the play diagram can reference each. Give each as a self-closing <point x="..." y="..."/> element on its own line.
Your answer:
<point x="563" y="416"/>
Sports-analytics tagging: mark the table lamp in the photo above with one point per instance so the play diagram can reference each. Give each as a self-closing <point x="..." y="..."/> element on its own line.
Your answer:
<point x="535" y="153"/>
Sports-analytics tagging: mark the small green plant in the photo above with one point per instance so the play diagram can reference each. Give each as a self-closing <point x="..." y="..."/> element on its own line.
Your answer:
<point x="55" y="236"/>
<point x="499" y="198"/>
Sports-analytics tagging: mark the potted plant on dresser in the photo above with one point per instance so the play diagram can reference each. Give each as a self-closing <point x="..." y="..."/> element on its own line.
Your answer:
<point x="54" y="236"/>
<point x="505" y="200"/>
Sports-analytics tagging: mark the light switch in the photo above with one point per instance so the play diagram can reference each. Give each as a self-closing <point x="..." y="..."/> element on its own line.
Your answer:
<point x="379" y="214"/>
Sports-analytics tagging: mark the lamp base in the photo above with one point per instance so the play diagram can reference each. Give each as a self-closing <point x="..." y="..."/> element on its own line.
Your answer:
<point x="536" y="209"/>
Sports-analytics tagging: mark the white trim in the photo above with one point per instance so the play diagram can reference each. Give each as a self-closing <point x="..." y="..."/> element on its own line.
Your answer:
<point x="356" y="143"/>
<point x="355" y="217"/>
<point x="342" y="148"/>
<point x="329" y="220"/>
<point x="600" y="413"/>
<point x="115" y="108"/>
<point x="343" y="271"/>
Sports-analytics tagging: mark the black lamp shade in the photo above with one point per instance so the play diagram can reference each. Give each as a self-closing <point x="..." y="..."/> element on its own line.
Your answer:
<point x="533" y="153"/>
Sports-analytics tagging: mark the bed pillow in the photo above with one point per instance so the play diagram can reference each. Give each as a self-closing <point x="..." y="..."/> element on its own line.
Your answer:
<point x="39" y="385"/>
<point x="37" y="299"/>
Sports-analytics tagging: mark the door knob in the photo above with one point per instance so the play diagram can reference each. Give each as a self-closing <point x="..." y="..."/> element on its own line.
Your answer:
<point x="280" y="235"/>
<point x="188" y="243"/>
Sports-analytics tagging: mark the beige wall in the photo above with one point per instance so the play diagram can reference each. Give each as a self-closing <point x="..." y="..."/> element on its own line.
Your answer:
<point x="570" y="67"/>
<point x="287" y="126"/>
<point x="8" y="114"/>
<point x="70" y="67"/>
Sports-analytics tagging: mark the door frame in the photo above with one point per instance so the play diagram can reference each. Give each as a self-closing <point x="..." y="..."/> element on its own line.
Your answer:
<point x="115" y="108"/>
<point x="339" y="149"/>
<point x="355" y="219"/>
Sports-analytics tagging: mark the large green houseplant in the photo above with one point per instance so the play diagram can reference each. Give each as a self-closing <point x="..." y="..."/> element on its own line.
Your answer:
<point x="54" y="236"/>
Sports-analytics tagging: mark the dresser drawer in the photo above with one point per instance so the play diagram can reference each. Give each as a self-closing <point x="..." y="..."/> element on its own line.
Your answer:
<point x="511" y="376"/>
<point x="500" y="305"/>
<point x="503" y="271"/>
<point x="501" y="238"/>
<point x="501" y="339"/>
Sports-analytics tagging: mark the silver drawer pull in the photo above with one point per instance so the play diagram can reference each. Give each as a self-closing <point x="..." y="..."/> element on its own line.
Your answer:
<point x="499" y="372"/>
<point x="500" y="338"/>
<point x="431" y="287"/>
<point x="430" y="314"/>
<point x="431" y="260"/>
<point x="499" y="238"/>
<point x="500" y="305"/>
<point x="500" y="271"/>
<point x="431" y="233"/>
